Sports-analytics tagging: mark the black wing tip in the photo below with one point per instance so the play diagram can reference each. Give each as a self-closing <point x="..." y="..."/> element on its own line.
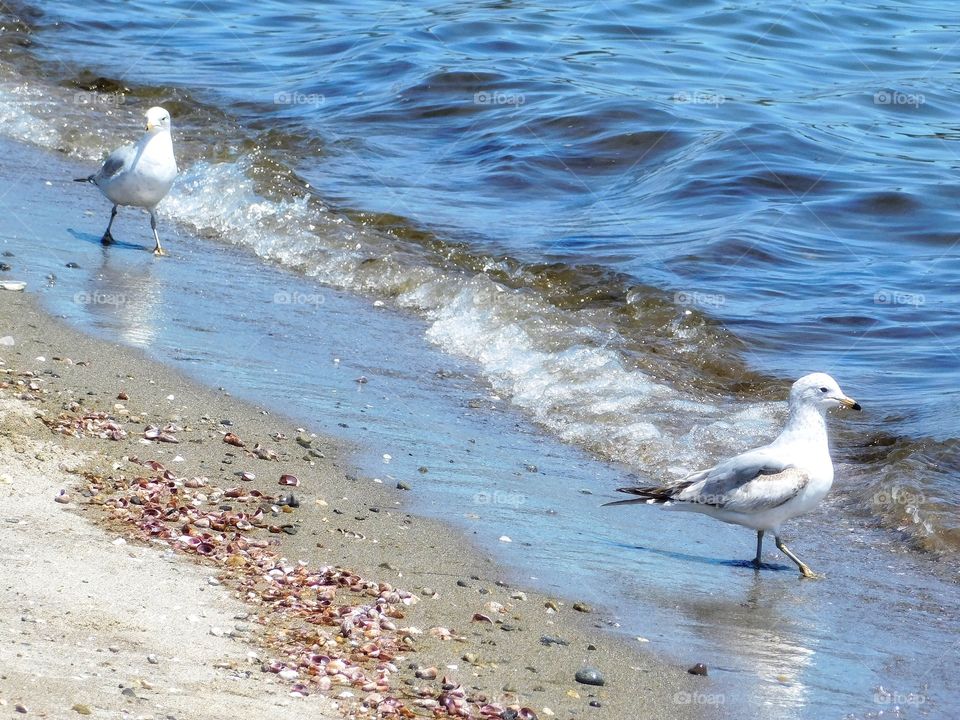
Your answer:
<point x="88" y="179"/>
<point x="648" y="495"/>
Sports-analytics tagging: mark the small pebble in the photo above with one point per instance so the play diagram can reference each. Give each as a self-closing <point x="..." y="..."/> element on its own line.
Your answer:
<point x="402" y="486"/>
<point x="594" y="703"/>
<point x="152" y="659"/>
<point x="5" y="267"/>
<point x="81" y="709"/>
<point x="63" y="498"/>
<point x="582" y="607"/>
<point x="698" y="669"/>
<point x="129" y="692"/>
<point x="72" y="265"/>
<point x="20" y="709"/>
<point x="589" y="676"/>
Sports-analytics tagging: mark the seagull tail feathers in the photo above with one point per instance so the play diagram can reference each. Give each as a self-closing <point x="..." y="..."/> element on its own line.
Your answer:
<point x="649" y="494"/>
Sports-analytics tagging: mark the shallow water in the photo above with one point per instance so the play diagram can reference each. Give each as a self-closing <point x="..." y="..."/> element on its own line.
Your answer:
<point x="631" y="225"/>
<point x="776" y="646"/>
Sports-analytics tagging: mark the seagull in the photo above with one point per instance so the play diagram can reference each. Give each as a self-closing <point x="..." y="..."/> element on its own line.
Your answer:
<point x="764" y="487"/>
<point x="139" y="175"/>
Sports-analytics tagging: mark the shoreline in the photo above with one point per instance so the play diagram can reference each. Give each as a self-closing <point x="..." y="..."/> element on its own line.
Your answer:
<point x="357" y="524"/>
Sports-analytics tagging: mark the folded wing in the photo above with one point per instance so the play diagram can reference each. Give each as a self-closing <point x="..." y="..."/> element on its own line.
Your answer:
<point x="749" y="482"/>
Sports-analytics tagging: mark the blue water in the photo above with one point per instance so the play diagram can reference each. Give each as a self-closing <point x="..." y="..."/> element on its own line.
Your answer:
<point x="634" y="223"/>
<point x="793" y="161"/>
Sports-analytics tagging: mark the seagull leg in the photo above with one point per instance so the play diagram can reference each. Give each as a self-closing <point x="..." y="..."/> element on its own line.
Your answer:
<point x="804" y="568"/>
<point x="153" y="226"/>
<point x="756" y="560"/>
<point x="107" y="237"/>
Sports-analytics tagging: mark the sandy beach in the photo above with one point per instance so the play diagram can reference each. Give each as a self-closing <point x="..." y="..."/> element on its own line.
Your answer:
<point x="104" y="619"/>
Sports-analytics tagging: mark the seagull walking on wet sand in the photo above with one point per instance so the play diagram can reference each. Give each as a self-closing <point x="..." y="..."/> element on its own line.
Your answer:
<point x="764" y="487"/>
<point x="139" y="175"/>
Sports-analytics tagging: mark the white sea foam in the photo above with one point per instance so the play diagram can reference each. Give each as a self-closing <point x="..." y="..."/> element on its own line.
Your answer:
<point x="557" y="369"/>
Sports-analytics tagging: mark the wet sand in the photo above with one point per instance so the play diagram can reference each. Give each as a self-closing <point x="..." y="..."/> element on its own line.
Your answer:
<point x="501" y="648"/>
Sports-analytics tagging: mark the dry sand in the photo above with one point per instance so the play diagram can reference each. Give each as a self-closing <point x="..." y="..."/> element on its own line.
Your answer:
<point x="82" y="613"/>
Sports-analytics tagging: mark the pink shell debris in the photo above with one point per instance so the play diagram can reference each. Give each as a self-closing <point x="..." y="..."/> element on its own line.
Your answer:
<point x="291" y="480"/>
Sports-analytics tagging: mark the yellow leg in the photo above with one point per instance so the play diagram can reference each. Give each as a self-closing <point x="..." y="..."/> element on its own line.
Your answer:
<point x="804" y="568"/>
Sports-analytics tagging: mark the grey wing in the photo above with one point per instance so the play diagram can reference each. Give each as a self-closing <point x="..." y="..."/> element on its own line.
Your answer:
<point x="755" y="480"/>
<point x="117" y="161"/>
<point x="767" y="491"/>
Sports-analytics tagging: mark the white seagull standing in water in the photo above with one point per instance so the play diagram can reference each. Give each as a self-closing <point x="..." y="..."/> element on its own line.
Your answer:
<point x="764" y="487"/>
<point x="139" y="175"/>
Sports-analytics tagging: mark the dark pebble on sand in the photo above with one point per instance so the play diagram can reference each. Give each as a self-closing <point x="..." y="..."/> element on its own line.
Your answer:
<point x="4" y="267"/>
<point x="73" y="266"/>
<point x="509" y="627"/>
<point x="698" y="669"/>
<point x="423" y="469"/>
<point x="594" y="703"/>
<point x="7" y="253"/>
<point x="462" y="583"/>
<point x="589" y="676"/>
<point x="549" y="640"/>
<point x="581" y="607"/>
<point x="402" y="486"/>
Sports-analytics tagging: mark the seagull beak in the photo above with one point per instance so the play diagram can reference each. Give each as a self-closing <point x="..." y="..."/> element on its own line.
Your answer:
<point x="849" y="402"/>
<point x="150" y="126"/>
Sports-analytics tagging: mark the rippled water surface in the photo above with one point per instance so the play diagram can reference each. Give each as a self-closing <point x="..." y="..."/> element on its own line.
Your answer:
<point x="636" y="222"/>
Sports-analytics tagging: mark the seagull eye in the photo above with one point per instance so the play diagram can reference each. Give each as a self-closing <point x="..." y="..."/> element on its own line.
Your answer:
<point x="823" y="389"/>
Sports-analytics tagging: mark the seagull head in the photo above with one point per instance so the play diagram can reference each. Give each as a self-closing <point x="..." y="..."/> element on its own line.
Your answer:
<point x="158" y="119"/>
<point x="820" y="391"/>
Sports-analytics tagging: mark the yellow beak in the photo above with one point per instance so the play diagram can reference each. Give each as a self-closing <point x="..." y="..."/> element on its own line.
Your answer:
<point x="150" y="126"/>
<point x="849" y="402"/>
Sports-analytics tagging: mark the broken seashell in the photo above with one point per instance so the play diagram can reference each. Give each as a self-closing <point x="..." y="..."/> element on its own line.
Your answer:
<point x="231" y="439"/>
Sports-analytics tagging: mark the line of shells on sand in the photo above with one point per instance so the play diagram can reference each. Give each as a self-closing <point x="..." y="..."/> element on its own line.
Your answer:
<point x="320" y="644"/>
<point x="321" y="640"/>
